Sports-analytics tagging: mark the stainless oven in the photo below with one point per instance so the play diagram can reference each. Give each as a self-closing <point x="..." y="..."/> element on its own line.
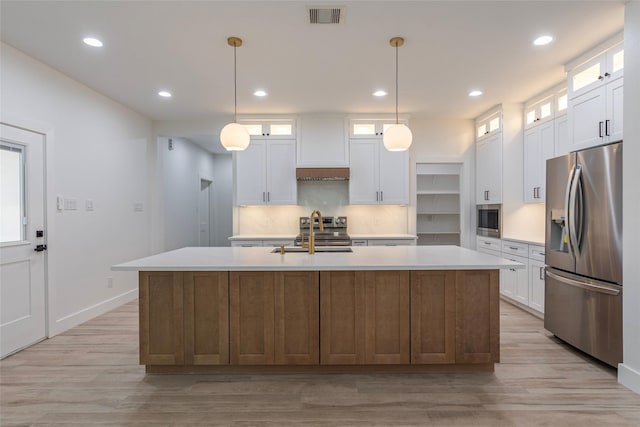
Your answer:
<point x="489" y="220"/>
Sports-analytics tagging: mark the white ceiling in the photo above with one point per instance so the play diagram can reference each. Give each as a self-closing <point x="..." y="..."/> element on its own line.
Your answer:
<point x="451" y="47"/>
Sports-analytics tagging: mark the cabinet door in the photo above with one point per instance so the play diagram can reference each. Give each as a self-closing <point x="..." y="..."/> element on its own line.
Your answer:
<point x="364" y="180"/>
<point x="586" y="119"/>
<point x="251" y="322"/>
<point x="532" y="161"/>
<point x="489" y="170"/>
<point x="508" y="281"/>
<point x="342" y="301"/>
<point x="206" y="318"/>
<point x="394" y="177"/>
<point x="433" y="317"/>
<point x="587" y="76"/>
<point x="561" y="140"/>
<point x="536" y="285"/>
<point x="522" y="281"/>
<point x="387" y="317"/>
<point x="477" y="316"/>
<point x="613" y="124"/>
<point x="281" y="173"/>
<point x="251" y="174"/>
<point x="297" y="319"/>
<point x="161" y="318"/>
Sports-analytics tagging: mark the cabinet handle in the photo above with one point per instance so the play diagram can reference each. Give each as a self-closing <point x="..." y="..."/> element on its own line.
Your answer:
<point x="513" y="248"/>
<point x="600" y="78"/>
<point x="268" y="196"/>
<point x="607" y="75"/>
<point x="606" y="127"/>
<point x="381" y="196"/>
<point x="377" y="196"/>
<point x="534" y="193"/>
<point x="487" y="243"/>
<point x="541" y="273"/>
<point x="600" y="129"/>
<point x="263" y="197"/>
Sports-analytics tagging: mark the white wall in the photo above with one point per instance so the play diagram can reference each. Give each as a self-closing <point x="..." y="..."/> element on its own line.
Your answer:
<point x="96" y="149"/>
<point x="223" y="199"/>
<point x="523" y="221"/>
<point x="629" y="371"/>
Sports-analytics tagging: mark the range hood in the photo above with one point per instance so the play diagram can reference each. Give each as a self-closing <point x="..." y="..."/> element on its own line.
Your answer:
<point x="322" y="174"/>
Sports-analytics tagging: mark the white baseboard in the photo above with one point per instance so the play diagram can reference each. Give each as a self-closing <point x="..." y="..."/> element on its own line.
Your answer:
<point x="65" y="323"/>
<point x="629" y="377"/>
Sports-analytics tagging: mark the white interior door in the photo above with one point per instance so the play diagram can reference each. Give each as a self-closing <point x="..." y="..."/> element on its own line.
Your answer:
<point x="204" y="213"/>
<point x="22" y="239"/>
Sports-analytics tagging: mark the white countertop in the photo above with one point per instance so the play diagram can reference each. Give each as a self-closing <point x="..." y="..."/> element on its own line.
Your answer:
<point x="362" y="258"/>
<point x="263" y="237"/>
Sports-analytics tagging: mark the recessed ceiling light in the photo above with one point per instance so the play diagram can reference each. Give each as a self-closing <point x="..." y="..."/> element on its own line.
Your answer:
<point x="379" y="93"/>
<point x="475" y="93"/>
<point x="260" y="93"/>
<point x="91" y="41"/>
<point x="543" y="40"/>
<point x="164" y="94"/>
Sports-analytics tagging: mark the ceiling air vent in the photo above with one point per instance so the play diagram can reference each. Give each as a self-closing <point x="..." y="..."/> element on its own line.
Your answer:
<point x="326" y="15"/>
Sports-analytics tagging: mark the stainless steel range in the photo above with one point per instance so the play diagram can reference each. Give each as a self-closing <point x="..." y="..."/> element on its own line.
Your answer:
<point x="334" y="234"/>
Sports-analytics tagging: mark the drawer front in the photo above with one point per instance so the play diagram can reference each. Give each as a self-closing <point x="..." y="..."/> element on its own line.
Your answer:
<point x="489" y="243"/>
<point x="536" y="252"/>
<point x="515" y="248"/>
<point x="358" y="242"/>
<point x="391" y="242"/>
<point x="490" y="252"/>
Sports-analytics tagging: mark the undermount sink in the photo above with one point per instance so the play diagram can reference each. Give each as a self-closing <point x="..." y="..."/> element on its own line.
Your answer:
<point x="319" y="249"/>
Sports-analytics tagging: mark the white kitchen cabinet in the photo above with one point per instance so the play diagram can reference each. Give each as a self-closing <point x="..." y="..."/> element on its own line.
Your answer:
<point x="322" y="141"/>
<point x="540" y="111"/>
<point x="597" y="72"/>
<point x="488" y="125"/>
<point x="595" y="117"/>
<point x="561" y="135"/>
<point x="377" y="176"/>
<point x="516" y="281"/>
<point x="266" y="173"/>
<point x="596" y="100"/>
<point x="371" y="128"/>
<point x="489" y="169"/>
<point x="489" y="245"/>
<point x="270" y="128"/>
<point x="538" y="148"/>
<point x="438" y="219"/>
<point x="536" y="285"/>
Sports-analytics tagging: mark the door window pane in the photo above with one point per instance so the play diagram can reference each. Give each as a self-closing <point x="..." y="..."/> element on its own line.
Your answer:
<point x="494" y="124"/>
<point x="364" y="129"/>
<point x="254" y="129"/>
<point x="281" y="129"/>
<point x="482" y="130"/>
<point x="562" y="102"/>
<point x="545" y="110"/>
<point x="586" y="77"/>
<point x="618" y="61"/>
<point x="531" y="116"/>
<point x="12" y="227"/>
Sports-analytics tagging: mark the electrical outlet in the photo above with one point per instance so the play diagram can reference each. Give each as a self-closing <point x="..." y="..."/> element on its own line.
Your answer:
<point x="110" y="282"/>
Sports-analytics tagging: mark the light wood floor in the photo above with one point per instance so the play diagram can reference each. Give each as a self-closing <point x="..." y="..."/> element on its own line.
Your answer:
<point x="90" y="376"/>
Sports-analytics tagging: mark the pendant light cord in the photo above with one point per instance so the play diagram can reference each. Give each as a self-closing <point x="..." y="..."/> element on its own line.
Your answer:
<point x="396" y="83"/>
<point x="235" y="86"/>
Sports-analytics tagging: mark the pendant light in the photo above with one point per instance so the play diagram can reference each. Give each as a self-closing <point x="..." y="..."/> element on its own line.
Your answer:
<point x="234" y="136"/>
<point x="398" y="137"/>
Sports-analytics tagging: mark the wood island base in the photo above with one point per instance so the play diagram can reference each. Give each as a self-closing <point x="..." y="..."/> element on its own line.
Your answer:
<point x="319" y="321"/>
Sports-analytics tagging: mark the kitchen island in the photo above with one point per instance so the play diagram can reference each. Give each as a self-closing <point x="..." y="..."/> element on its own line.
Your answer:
<point x="403" y="308"/>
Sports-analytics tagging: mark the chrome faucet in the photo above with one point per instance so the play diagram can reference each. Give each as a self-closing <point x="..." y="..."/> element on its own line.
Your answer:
<point x="312" y="237"/>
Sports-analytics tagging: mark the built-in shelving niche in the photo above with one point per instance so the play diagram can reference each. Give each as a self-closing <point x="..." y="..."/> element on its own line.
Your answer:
<point x="438" y="203"/>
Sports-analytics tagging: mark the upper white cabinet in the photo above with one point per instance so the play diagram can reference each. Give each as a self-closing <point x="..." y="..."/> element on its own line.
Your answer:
<point x="488" y="125"/>
<point x="598" y="71"/>
<point x="545" y="128"/>
<point x="377" y="176"/>
<point x="266" y="173"/>
<point x="322" y="141"/>
<point x="275" y="128"/>
<point x="371" y="128"/>
<point x="596" y="100"/>
<point x="489" y="169"/>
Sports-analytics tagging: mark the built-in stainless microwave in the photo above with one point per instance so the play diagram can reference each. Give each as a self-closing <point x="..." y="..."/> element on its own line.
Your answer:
<point x="489" y="220"/>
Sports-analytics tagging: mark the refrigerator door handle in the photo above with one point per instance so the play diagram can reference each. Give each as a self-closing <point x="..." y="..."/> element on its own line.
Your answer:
<point x="585" y="285"/>
<point x="571" y="211"/>
<point x="567" y="204"/>
<point x="578" y="231"/>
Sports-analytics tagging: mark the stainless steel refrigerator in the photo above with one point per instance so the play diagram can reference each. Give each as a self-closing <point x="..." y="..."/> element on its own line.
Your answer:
<point x="583" y="280"/>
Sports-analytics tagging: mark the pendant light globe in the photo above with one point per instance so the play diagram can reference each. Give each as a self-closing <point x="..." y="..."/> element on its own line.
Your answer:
<point x="234" y="137"/>
<point x="397" y="137"/>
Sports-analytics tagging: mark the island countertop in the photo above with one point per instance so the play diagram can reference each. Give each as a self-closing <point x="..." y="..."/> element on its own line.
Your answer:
<point x="362" y="258"/>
